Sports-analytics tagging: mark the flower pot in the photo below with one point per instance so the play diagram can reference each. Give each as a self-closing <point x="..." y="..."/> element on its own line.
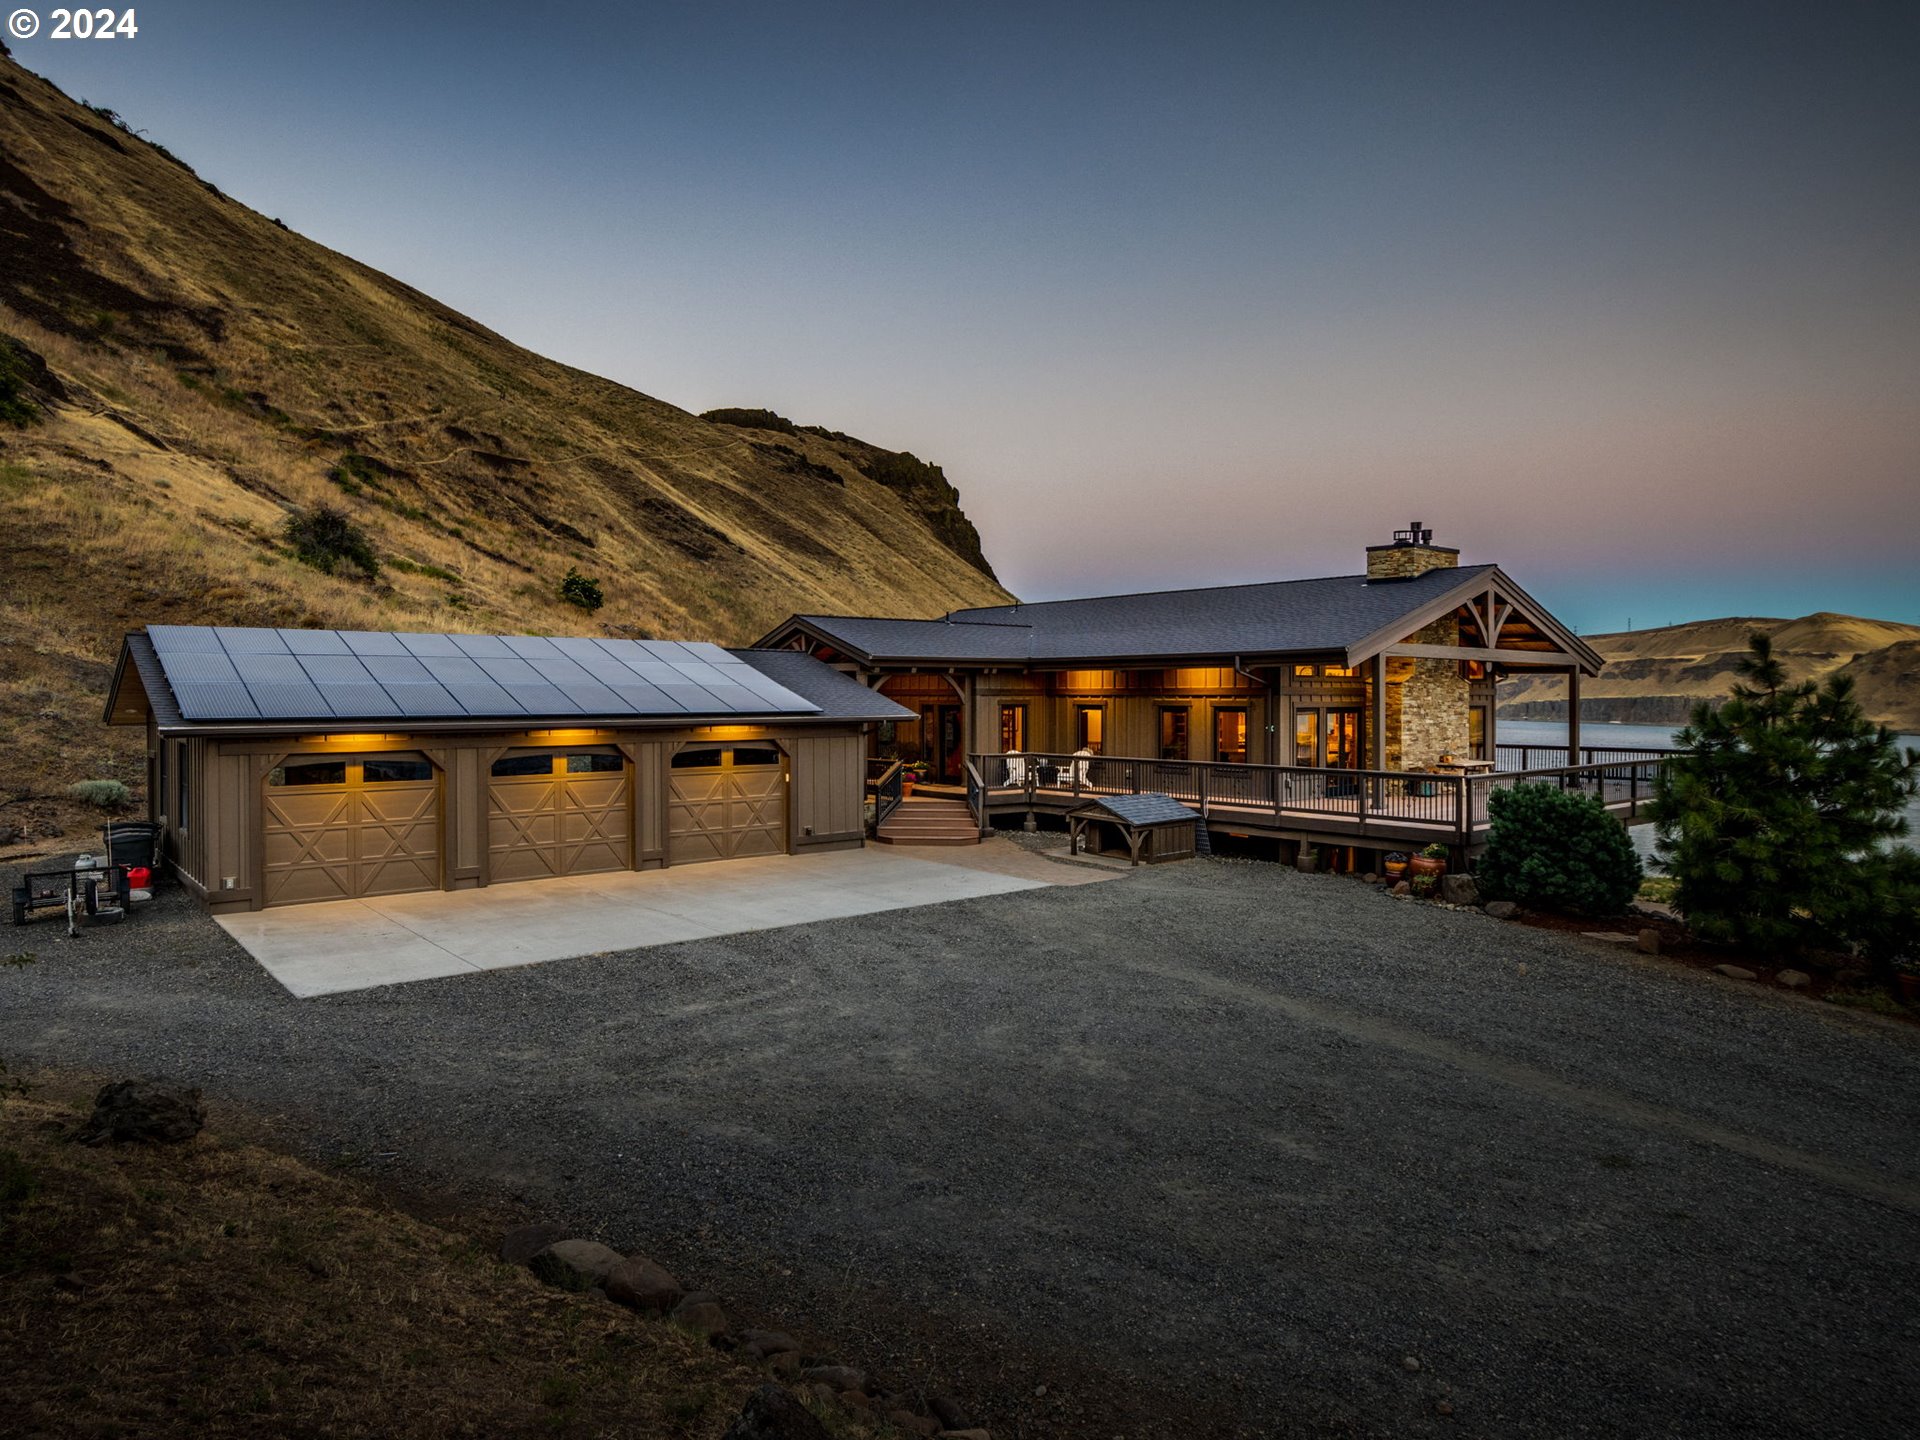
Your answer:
<point x="906" y="788"/>
<point x="1421" y="865"/>
<point x="1395" y="869"/>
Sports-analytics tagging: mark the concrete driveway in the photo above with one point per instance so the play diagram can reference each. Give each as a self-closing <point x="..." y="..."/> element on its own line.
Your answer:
<point x="344" y="945"/>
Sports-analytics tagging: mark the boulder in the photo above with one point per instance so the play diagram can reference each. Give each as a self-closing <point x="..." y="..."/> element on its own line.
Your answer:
<point x="144" y="1112"/>
<point x="950" y="1415"/>
<point x="1793" y="979"/>
<point x="1459" y="889"/>
<point x="765" y="1343"/>
<point x="774" y="1413"/>
<point x="574" y="1264"/>
<point x="639" y="1284"/>
<point x="1647" y="941"/>
<point x="1736" y="972"/>
<point x="523" y="1242"/>
<point x="786" y="1364"/>
<point x="1503" y="910"/>
<point x="840" y="1377"/>
<point x="703" y="1316"/>
<point x="1403" y="887"/>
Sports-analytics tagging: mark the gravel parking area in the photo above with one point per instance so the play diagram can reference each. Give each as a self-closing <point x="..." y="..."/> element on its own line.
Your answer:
<point x="1215" y="1141"/>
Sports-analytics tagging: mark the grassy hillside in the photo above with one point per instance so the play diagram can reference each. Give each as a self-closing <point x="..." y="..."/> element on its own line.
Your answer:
<point x="1654" y="677"/>
<point x="179" y="376"/>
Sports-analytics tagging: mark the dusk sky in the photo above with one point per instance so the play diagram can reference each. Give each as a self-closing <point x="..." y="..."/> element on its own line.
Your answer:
<point x="1626" y="298"/>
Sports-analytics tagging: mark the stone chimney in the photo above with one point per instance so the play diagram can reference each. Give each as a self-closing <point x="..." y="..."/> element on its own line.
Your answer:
<point x="1411" y="553"/>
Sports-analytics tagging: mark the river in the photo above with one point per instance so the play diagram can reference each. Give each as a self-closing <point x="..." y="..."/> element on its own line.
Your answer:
<point x="1548" y="732"/>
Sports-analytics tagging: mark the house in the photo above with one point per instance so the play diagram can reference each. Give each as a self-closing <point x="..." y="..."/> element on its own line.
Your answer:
<point x="1389" y="669"/>
<point x="288" y="766"/>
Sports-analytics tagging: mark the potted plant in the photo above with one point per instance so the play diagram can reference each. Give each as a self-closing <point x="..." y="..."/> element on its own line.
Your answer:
<point x="1431" y="861"/>
<point x="910" y="775"/>
<point x="1424" y="886"/>
<point x="1395" y="864"/>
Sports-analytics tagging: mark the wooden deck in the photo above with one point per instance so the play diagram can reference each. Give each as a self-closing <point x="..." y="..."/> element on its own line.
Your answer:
<point x="1370" y="809"/>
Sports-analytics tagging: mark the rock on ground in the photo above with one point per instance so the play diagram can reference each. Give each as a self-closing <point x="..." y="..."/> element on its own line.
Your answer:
<point x="523" y="1242"/>
<point x="1459" y="889"/>
<point x="1503" y="909"/>
<point x="574" y="1264"/>
<point x="1736" y="972"/>
<point x="1794" y="979"/>
<point x="772" y="1413"/>
<point x="145" y="1112"/>
<point x="639" y="1284"/>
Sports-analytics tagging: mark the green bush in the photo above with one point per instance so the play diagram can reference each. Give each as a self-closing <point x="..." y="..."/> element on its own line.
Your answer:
<point x="1558" y="849"/>
<point x="582" y="590"/>
<point x="105" y="794"/>
<point x="326" y="539"/>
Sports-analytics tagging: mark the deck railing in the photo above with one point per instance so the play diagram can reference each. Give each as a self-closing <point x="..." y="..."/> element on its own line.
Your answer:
<point x="1532" y="755"/>
<point x="1396" y="805"/>
<point x="883" y="783"/>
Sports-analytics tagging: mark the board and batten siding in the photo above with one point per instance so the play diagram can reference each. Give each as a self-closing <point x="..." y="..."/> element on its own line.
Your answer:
<point x="827" y="800"/>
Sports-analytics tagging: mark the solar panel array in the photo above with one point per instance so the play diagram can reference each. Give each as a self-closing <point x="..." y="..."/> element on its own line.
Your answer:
<point x="227" y="673"/>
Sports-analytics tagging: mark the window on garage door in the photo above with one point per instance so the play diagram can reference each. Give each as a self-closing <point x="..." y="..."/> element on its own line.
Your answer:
<point x="558" y="812"/>
<point x="342" y="827"/>
<point x="726" y="802"/>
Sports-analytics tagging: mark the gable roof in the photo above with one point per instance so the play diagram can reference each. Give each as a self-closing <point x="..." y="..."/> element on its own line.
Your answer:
<point x="1146" y="809"/>
<point x="189" y="675"/>
<point x="1340" y="613"/>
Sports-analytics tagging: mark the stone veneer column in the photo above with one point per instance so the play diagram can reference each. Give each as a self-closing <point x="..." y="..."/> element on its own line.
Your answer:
<point x="1427" y="711"/>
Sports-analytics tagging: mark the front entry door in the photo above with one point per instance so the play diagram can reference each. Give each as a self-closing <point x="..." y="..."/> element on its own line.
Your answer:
<point x="1342" y="747"/>
<point x="940" y="737"/>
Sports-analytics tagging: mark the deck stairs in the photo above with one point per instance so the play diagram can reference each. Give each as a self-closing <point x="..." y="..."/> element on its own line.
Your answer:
<point x="930" y="820"/>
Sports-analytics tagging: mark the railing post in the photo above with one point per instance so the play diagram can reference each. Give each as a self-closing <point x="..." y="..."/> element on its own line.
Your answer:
<point x="1464" y="809"/>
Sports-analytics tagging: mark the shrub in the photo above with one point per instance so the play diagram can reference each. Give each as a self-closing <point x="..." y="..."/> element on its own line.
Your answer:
<point x="1558" y="849"/>
<point x="105" y="794"/>
<point x="1778" y="818"/>
<point x="326" y="539"/>
<point x="582" y="590"/>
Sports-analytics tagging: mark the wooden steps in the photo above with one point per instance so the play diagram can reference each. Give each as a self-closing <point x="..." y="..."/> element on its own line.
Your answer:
<point x="929" y="820"/>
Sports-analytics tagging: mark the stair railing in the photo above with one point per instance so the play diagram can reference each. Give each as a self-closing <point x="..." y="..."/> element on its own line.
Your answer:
<point x="886" y="790"/>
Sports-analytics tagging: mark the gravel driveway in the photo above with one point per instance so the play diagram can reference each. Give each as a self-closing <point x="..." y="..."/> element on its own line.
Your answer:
<point x="1216" y="1149"/>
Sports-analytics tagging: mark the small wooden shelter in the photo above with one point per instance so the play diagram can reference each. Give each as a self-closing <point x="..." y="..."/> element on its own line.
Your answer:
<point x="1151" y="828"/>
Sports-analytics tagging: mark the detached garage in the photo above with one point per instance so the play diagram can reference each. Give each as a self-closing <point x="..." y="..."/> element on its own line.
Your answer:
<point x="292" y="766"/>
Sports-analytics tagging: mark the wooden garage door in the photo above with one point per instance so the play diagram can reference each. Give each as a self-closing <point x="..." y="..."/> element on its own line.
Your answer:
<point x="726" y="803"/>
<point x="558" y="812"/>
<point x="347" y="827"/>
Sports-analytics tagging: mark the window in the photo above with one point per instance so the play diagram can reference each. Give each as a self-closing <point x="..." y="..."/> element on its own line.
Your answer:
<point x="1174" y="721"/>
<point x="389" y="772"/>
<point x="700" y="758"/>
<point x="593" y="764"/>
<point x="1306" y="737"/>
<point x="523" y="765"/>
<point x="1305" y="672"/>
<point x="1477" y="731"/>
<point x="309" y="772"/>
<point x="1013" y="728"/>
<point x="1336" y="671"/>
<point x="1090" y="727"/>
<point x="1230" y="736"/>
<point x="1473" y="669"/>
<point x="755" y="755"/>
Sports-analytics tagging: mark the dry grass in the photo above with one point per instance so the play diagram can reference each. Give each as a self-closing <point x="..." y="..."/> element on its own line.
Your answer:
<point x="220" y="1289"/>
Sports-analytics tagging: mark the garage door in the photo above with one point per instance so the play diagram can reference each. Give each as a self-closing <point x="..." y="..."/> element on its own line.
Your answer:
<point x="726" y="803"/>
<point x="343" y="827"/>
<point x="558" y="812"/>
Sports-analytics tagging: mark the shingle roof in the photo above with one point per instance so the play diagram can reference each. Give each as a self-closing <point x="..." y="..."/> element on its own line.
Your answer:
<point x="222" y="675"/>
<point x="1274" y="618"/>
<point x="838" y="697"/>
<point x="1147" y="809"/>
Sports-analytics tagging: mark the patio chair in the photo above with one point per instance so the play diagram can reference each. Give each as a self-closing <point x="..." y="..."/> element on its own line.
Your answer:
<point x="1074" y="772"/>
<point x="1016" y="770"/>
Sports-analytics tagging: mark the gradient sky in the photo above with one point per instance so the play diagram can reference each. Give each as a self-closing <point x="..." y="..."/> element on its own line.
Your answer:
<point x="1624" y="297"/>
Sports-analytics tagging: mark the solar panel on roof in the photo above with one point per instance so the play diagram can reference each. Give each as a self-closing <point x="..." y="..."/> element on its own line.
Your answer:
<point x="430" y="645"/>
<point x="184" y="640"/>
<point x="237" y="640"/>
<point x="315" y="642"/>
<point x="237" y="673"/>
<point x="373" y="642"/>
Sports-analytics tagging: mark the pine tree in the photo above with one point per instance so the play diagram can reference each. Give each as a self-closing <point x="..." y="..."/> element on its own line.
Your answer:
<point x="1778" y="817"/>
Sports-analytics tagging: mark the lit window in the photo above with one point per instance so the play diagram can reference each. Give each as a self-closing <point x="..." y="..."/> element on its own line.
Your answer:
<point x="508" y="765"/>
<point x="1013" y="728"/>
<point x="1304" y="671"/>
<point x="1173" y="733"/>
<point x="309" y="772"/>
<point x="1334" y="671"/>
<point x="391" y="772"/>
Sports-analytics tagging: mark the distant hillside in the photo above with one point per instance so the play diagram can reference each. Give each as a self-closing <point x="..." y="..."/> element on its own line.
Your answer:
<point x="1655" y="677"/>
<point x="179" y="376"/>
